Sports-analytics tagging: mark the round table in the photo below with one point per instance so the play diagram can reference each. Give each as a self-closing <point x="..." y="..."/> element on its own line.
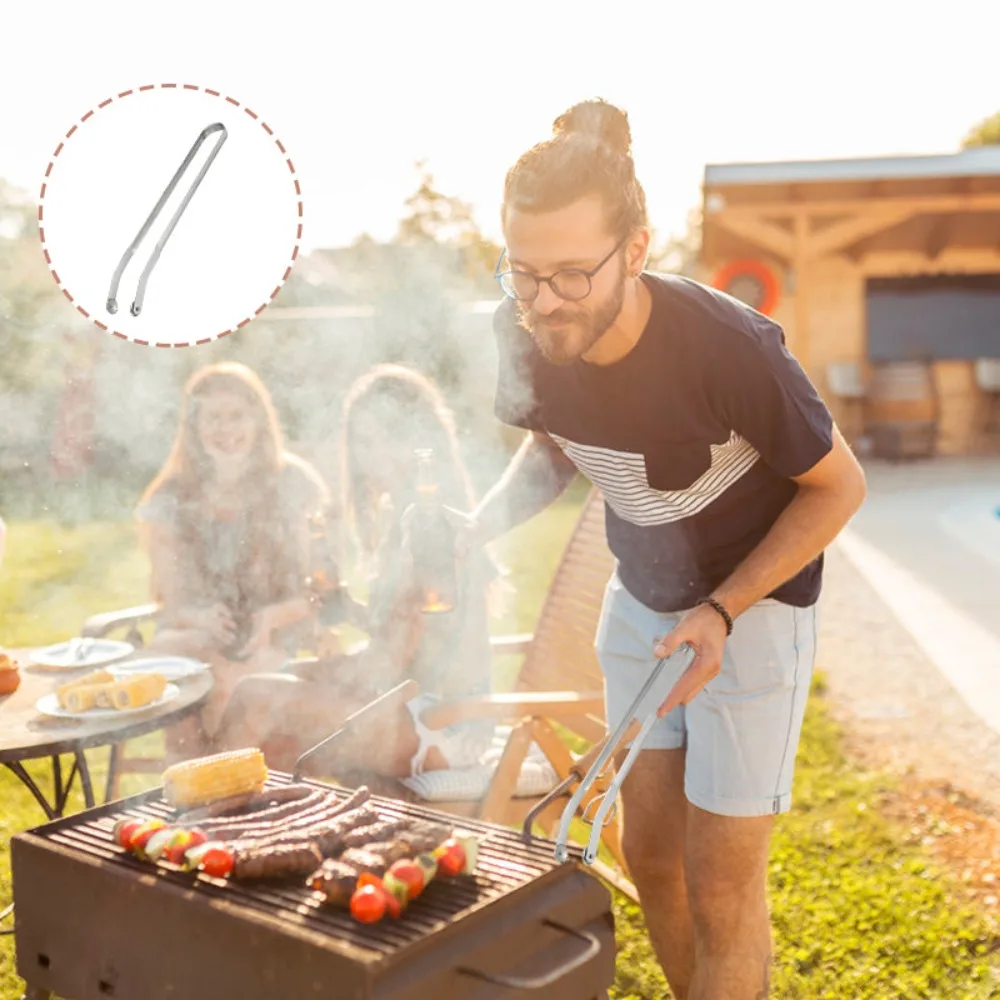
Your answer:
<point x="26" y="734"/>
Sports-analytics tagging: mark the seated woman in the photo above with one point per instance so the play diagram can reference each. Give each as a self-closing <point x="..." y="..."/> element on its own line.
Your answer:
<point x="226" y="528"/>
<point x="389" y="414"/>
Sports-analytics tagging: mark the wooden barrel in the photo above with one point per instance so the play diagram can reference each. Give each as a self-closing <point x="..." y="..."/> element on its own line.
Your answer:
<point x="902" y="391"/>
<point x="902" y="408"/>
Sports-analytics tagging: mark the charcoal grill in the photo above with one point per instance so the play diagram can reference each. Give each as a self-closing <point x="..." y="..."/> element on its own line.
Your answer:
<point x="93" y="922"/>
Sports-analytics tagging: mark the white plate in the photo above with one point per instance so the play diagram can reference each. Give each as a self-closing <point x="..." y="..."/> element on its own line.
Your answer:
<point x="173" y="668"/>
<point x="49" y="705"/>
<point x="98" y="652"/>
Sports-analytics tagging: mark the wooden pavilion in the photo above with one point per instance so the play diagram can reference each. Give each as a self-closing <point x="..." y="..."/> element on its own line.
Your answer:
<point x="884" y="273"/>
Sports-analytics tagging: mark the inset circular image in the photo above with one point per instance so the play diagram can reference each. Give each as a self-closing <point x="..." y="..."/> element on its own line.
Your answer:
<point x="170" y="215"/>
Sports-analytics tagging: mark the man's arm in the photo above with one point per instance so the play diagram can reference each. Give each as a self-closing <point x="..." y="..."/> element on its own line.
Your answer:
<point x="537" y="475"/>
<point x="828" y="496"/>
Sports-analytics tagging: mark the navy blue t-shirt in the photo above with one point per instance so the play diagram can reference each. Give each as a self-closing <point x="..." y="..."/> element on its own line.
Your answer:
<point x="692" y="437"/>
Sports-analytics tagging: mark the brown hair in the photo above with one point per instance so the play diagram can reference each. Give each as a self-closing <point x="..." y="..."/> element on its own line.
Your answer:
<point x="271" y="556"/>
<point x="590" y="153"/>
<point x="414" y="408"/>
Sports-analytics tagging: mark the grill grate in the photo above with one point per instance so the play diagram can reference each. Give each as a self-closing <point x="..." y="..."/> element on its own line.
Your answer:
<point x="506" y="865"/>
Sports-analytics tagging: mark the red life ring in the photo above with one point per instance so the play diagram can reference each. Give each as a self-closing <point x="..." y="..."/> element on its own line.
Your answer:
<point x="750" y="281"/>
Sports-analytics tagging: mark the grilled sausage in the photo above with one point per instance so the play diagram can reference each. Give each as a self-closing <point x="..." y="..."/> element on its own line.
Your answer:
<point x="229" y="825"/>
<point x="327" y="834"/>
<point x="375" y="859"/>
<point x="219" y="808"/>
<point x="375" y="832"/>
<point x="283" y="861"/>
<point x="255" y="803"/>
<point x="327" y="808"/>
<point x="422" y="836"/>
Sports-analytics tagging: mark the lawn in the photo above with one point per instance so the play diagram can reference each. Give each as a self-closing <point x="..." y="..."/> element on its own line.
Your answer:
<point x="857" y="915"/>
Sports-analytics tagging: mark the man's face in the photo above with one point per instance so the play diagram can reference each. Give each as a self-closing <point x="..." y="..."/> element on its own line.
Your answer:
<point x="572" y="237"/>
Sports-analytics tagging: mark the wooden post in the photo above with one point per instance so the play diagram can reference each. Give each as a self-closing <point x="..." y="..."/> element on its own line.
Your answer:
<point x="800" y="258"/>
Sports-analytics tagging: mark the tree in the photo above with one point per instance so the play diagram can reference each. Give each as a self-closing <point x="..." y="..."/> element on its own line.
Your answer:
<point x="29" y="299"/>
<point x="678" y="254"/>
<point x="444" y="221"/>
<point x="986" y="133"/>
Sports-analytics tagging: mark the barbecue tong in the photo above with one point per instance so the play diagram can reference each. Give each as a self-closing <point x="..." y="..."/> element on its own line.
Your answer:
<point x="112" y="303"/>
<point x="639" y="720"/>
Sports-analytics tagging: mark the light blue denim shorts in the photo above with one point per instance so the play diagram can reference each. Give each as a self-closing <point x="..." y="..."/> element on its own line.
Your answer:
<point x="741" y="732"/>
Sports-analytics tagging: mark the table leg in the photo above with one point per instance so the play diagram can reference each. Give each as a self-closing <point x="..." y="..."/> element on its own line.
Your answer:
<point x="57" y="808"/>
<point x="86" y="784"/>
<point x="18" y="768"/>
<point x="110" y="788"/>
<point x="62" y="789"/>
<point x="59" y="792"/>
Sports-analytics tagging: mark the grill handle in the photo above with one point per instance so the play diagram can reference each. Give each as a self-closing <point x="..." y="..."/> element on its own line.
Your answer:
<point x="553" y="975"/>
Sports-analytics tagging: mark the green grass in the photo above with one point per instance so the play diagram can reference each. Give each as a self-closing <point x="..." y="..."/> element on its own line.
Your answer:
<point x="857" y="916"/>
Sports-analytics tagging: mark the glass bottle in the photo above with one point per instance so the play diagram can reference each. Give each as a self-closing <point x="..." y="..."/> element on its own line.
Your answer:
<point x="323" y="583"/>
<point x="432" y="543"/>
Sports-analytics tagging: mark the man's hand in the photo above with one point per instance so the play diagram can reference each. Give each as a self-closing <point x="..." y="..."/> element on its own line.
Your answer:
<point x="704" y="630"/>
<point x="217" y="621"/>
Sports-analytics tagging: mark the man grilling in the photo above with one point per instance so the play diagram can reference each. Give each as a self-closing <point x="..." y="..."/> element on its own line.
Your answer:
<point x="724" y="479"/>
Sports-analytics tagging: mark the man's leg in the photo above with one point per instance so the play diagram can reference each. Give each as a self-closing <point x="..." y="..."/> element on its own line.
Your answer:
<point x="653" y="838"/>
<point x="742" y="736"/>
<point x="725" y="863"/>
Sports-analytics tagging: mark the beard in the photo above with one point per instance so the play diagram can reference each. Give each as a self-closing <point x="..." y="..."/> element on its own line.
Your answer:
<point x="563" y="344"/>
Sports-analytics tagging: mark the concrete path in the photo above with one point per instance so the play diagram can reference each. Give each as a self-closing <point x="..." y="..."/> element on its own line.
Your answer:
<point x="910" y="622"/>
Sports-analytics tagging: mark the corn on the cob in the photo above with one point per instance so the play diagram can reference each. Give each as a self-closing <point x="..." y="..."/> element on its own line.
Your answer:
<point x="81" y="699"/>
<point x="135" y="692"/>
<point x="206" y="779"/>
<point x="92" y="683"/>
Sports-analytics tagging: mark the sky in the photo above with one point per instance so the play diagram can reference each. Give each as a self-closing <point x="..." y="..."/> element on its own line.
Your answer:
<point x="358" y="93"/>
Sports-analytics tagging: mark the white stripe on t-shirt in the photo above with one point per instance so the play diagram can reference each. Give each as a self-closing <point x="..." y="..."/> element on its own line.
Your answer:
<point x="621" y="477"/>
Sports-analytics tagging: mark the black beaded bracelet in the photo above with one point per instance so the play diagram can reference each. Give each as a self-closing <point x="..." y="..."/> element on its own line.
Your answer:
<point x="713" y="603"/>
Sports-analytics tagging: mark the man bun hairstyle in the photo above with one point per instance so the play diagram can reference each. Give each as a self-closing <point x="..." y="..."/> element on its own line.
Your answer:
<point x="602" y="122"/>
<point x="589" y="154"/>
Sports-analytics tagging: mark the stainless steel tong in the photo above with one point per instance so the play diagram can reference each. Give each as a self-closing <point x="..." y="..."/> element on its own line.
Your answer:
<point x="157" y="208"/>
<point x="589" y="769"/>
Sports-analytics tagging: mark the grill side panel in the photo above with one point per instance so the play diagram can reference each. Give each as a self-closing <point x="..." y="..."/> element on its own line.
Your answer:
<point x="90" y="931"/>
<point x="515" y="941"/>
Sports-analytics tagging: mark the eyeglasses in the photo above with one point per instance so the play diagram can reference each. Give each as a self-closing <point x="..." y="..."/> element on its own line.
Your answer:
<point x="571" y="284"/>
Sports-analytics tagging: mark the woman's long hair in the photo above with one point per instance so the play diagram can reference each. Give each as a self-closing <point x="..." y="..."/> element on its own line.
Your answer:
<point x="412" y="407"/>
<point x="268" y="567"/>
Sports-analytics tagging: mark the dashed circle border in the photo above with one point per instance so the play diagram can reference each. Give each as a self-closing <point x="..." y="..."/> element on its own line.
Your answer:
<point x="138" y="90"/>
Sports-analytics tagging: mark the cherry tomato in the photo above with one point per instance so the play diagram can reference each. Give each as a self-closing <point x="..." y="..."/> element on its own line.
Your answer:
<point x="393" y="904"/>
<point x="197" y="837"/>
<point x="179" y="844"/>
<point x="217" y="861"/>
<point x="450" y="857"/>
<point x="124" y="829"/>
<point x="368" y="904"/>
<point x="411" y="875"/>
<point x="143" y="832"/>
